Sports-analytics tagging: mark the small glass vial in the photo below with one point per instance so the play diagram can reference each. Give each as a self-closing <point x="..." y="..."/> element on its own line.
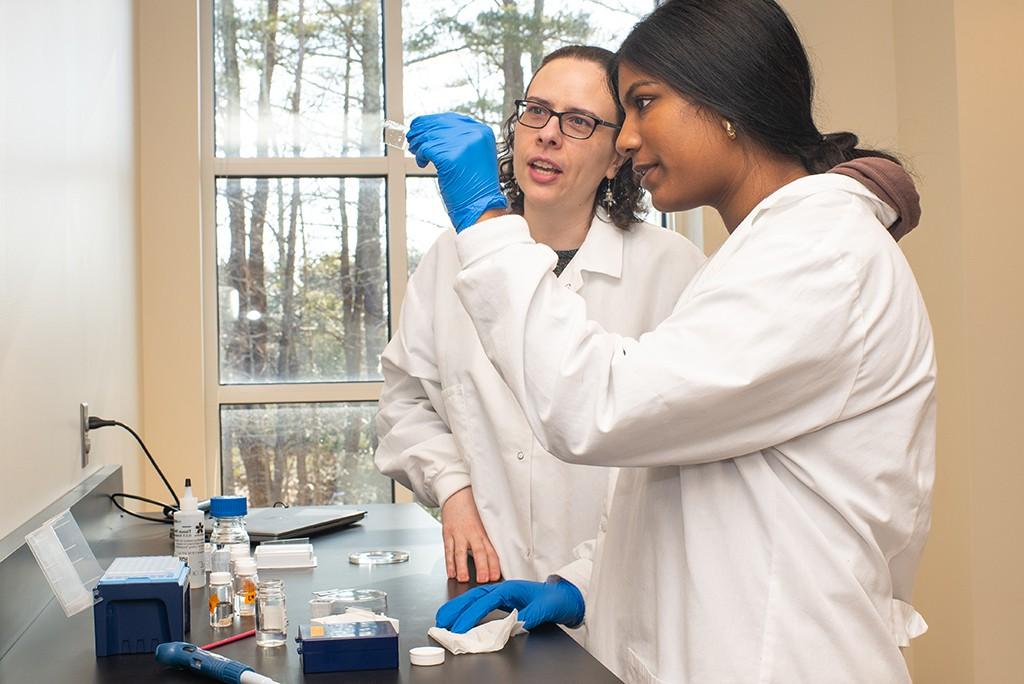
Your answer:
<point x="246" y="581"/>
<point x="394" y="135"/>
<point x="222" y="611"/>
<point x="271" y="616"/>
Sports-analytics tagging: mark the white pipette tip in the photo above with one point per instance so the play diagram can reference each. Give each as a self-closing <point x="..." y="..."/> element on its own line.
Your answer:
<point x="251" y="677"/>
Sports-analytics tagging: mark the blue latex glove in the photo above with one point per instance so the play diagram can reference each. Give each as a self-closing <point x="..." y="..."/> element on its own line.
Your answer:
<point x="556" y="600"/>
<point x="464" y="152"/>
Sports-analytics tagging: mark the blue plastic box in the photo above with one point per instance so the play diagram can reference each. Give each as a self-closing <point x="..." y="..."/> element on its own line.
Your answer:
<point x="141" y="602"/>
<point x="348" y="646"/>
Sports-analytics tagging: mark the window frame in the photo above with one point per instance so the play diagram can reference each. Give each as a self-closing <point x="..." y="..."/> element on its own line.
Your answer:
<point x="394" y="167"/>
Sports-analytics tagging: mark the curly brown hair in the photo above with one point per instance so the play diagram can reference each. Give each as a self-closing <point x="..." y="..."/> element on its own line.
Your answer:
<point x="629" y="196"/>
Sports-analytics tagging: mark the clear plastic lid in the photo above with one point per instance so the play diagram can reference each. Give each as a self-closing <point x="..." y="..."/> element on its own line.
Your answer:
<point x="67" y="562"/>
<point x="337" y="601"/>
<point x="288" y="553"/>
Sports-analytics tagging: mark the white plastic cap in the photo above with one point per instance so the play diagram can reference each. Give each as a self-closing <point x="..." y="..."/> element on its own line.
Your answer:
<point x="245" y="566"/>
<point x="426" y="655"/>
<point x="220" y="578"/>
<point x="189" y="503"/>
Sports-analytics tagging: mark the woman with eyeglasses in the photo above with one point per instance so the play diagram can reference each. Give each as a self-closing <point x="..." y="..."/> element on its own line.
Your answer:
<point x="449" y="426"/>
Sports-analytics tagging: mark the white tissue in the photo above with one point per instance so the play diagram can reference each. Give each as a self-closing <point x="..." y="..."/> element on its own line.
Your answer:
<point x="355" y="615"/>
<point x="486" y="638"/>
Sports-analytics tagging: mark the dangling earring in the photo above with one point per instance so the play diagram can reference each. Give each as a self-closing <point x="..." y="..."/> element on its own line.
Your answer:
<point x="608" y="201"/>
<point x="730" y="130"/>
<point x="512" y="189"/>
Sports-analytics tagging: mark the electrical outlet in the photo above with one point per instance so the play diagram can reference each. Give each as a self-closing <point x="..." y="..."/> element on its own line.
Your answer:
<point x="83" y="424"/>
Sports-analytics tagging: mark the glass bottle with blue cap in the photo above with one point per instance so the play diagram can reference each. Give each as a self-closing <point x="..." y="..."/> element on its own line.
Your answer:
<point x="228" y="527"/>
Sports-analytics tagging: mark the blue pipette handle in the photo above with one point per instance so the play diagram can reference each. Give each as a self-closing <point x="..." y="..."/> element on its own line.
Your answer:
<point x="210" y="665"/>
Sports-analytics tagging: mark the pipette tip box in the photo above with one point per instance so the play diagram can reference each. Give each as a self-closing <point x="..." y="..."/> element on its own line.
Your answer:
<point x="141" y="602"/>
<point x="346" y="646"/>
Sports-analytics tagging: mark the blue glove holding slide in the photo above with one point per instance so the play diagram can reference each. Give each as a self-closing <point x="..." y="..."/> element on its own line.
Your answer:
<point x="556" y="600"/>
<point x="464" y="152"/>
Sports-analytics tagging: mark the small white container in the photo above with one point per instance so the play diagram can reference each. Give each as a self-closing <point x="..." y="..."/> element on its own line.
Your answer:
<point x="426" y="655"/>
<point x="287" y="554"/>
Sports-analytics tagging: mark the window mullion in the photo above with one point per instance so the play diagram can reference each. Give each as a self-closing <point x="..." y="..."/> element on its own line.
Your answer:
<point x="299" y="392"/>
<point x="208" y="219"/>
<point x="300" y="166"/>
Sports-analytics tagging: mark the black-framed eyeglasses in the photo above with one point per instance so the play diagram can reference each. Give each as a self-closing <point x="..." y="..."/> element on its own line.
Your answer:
<point x="573" y="124"/>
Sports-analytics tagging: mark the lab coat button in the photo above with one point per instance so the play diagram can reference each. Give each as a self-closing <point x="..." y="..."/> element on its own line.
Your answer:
<point x="520" y="455"/>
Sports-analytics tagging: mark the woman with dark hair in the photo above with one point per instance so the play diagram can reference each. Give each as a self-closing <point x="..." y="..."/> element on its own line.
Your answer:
<point x="776" y="434"/>
<point x="449" y="426"/>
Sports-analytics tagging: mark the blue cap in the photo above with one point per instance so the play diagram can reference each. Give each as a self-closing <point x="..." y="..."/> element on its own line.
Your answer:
<point x="228" y="506"/>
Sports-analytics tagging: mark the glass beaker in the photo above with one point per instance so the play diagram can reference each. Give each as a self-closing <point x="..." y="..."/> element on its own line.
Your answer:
<point x="271" y="614"/>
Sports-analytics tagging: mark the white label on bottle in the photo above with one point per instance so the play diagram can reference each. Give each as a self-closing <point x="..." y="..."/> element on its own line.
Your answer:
<point x="189" y="541"/>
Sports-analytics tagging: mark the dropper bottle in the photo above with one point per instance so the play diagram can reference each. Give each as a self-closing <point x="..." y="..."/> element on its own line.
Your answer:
<point x="190" y="537"/>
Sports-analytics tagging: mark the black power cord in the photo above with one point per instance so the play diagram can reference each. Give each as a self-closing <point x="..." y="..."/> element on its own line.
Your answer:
<point x="168" y="510"/>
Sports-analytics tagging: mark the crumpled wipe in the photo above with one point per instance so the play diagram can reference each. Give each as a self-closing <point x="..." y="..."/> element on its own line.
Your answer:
<point x="356" y="615"/>
<point x="486" y="638"/>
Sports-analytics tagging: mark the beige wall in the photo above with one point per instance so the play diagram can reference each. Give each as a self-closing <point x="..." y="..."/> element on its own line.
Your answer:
<point x="171" y="243"/>
<point x="930" y="136"/>
<point x="990" y="78"/>
<point x="68" y="282"/>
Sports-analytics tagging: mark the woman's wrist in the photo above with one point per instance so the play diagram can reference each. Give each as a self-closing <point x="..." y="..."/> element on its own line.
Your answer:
<point x="492" y="213"/>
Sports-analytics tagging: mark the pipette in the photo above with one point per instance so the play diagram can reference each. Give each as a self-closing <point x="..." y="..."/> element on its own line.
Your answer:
<point x="210" y="665"/>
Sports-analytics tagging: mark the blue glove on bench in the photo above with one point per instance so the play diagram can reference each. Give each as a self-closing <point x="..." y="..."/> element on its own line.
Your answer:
<point x="555" y="600"/>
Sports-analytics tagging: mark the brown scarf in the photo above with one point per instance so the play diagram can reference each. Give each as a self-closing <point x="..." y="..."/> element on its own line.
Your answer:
<point x="892" y="184"/>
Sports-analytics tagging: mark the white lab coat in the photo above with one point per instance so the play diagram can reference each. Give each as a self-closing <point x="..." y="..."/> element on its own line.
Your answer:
<point x="784" y="419"/>
<point x="447" y="420"/>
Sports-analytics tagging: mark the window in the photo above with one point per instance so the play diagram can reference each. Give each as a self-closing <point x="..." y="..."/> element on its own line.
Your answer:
<point x="312" y="225"/>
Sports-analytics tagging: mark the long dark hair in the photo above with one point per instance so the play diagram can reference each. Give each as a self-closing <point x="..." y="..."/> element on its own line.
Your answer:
<point x="629" y="196"/>
<point x="743" y="61"/>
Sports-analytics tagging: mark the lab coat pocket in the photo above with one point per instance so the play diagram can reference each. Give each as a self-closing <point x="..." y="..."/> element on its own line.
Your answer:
<point x="459" y="421"/>
<point x="637" y="671"/>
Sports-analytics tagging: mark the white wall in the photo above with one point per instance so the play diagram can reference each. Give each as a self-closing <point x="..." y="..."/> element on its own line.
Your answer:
<point x="68" y="281"/>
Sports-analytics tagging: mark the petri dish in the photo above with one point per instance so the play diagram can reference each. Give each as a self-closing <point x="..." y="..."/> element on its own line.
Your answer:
<point x="379" y="557"/>
<point x="337" y="601"/>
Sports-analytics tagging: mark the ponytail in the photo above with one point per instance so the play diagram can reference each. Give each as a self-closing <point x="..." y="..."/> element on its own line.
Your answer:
<point x="833" y="149"/>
